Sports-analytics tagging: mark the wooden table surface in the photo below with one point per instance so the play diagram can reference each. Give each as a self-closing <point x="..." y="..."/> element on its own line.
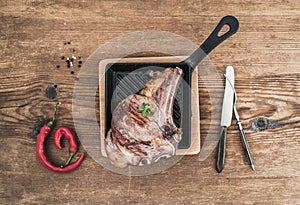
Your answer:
<point x="265" y="53"/>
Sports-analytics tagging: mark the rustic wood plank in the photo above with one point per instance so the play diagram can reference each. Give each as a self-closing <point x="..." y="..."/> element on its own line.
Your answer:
<point x="265" y="55"/>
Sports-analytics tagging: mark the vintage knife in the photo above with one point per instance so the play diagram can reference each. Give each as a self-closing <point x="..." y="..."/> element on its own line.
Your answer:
<point x="226" y="118"/>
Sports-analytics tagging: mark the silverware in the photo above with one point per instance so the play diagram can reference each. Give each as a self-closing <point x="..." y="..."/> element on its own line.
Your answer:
<point x="239" y="123"/>
<point x="226" y="118"/>
<point x="229" y="104"/>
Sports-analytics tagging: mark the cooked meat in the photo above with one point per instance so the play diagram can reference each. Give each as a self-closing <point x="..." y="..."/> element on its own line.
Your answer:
<point x="137" y="138"/>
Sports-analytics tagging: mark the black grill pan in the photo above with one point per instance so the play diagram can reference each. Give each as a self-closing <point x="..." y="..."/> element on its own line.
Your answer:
<point x="133" y="79"/>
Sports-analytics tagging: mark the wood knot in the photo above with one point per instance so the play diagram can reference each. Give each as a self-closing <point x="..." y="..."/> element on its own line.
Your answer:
<point x="51" y="92"/>
<point x="261" y="124"/>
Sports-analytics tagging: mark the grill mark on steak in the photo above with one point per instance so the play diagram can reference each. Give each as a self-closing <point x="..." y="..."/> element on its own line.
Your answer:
<point x="135" y="120"/>
<point x="137" y="117"/>
<point x="119" y="137"/>
<point x="126" y="141"/>
<point x="122" y="143"/>
<point x="137" y="149"/>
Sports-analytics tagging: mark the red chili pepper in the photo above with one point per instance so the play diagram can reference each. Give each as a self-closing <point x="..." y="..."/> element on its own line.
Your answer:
<point x="40" y="151"/>
<point x="70" y="136"/>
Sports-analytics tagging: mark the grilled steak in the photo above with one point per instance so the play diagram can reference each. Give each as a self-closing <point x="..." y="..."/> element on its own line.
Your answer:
<point x="140" y="136"/>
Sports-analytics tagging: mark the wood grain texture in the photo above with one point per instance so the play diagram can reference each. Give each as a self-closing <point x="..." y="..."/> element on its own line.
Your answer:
<point x="265" y="54"/>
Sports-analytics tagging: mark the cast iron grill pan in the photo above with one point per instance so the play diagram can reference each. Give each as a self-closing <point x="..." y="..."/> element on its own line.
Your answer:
<point x="126" y="78"/>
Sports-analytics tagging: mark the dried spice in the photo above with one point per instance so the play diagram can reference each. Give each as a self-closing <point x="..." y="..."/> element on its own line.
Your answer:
<point x="68" y="57"/>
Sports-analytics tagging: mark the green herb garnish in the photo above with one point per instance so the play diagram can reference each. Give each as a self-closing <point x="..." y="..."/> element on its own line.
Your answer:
<point x="145" y="110"/>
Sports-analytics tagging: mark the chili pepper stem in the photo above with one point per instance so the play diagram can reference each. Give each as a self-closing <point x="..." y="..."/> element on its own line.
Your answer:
<point x="70" y="158"/>
<point x="51" y="123"/>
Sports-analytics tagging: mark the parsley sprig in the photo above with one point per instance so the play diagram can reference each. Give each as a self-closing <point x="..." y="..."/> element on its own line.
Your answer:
<point x="146" y="111"/>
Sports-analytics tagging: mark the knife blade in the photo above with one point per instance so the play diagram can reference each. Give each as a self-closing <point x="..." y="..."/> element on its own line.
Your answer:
<point x="226" y="118"/>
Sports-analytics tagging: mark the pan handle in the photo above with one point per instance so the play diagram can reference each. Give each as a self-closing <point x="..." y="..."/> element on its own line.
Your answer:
<point x="213" y="41"/>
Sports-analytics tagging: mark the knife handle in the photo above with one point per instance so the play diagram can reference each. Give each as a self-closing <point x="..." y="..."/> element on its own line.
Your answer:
<point x="221" y="150"/>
